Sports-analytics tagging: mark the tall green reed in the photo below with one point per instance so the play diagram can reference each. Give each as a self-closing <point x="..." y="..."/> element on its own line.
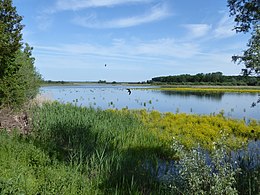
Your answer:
<point x="113" y="146"/>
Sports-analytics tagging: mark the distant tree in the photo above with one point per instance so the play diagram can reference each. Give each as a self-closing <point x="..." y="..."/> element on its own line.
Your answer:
<point x="102" y="81"/>
<point x="247" y="18"/>
<point x="208" y="78"/>
<point x="19" y="80"/>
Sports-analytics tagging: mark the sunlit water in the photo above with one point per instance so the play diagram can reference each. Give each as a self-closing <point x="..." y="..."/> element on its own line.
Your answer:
<point x="234" y="105"/>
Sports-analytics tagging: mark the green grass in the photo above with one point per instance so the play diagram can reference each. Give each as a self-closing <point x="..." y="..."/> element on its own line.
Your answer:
<point x="79" y="150"/>
<point x="105" y="149"/>
<point x="27" y="169"/>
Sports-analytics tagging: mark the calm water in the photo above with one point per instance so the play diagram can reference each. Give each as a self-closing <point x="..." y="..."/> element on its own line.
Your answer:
<point x="235" y="105"/>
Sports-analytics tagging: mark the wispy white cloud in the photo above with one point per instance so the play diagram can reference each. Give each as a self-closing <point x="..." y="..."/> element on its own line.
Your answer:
<point x="44" y="21"/>
<point x="82" y="4"/>
<point x="197" y="30"/>
<point x="161" y="57"/>
<point x="224" y="27"/>
<point x="168" y="48"/>
<point x="156" y="13"/>
<point x="161" y="49"/>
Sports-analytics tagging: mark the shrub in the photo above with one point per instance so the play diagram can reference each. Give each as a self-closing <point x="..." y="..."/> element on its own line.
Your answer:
<point x="200" y="172"/>
<point x="18" y="87"/>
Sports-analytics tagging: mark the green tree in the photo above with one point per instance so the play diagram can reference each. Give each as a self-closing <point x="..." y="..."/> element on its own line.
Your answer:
<point x="246" y="13"/>
<point x="247" y="18"/>
<point x="19" y="80"/>
<point x="251" y="56"/>
<point x="11" y="36"/>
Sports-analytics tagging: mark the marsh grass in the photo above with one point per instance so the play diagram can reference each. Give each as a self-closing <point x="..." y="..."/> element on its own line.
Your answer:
<point x="248" y="160"/>
<point x="111" y="145"/>
<point x="79" y="150"/>
<point x="27" y="169"/>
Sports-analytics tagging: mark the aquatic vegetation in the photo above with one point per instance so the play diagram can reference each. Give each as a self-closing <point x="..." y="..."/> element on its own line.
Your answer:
<point x="204" y="129"/>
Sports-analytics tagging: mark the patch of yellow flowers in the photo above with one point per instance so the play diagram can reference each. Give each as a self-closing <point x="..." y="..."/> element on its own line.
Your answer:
<point x="203" y="129"/>
<point x="208" y="89"/>
<point x="191" y="130"/>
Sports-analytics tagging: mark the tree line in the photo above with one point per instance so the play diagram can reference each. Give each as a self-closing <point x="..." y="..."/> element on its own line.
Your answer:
<point x="215" y="78"/>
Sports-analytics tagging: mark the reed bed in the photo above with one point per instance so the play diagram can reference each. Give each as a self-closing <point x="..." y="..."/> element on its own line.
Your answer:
<point x="79" y="150"/>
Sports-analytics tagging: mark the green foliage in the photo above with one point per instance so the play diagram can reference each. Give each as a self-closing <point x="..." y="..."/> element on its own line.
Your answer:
<point x="101" y="81"/>
<point x="246" y="12"/>
<point x="247" y="18"/>
<point x="215" y="78"/>
<point x="10" y="35"/>
<point x="203" y="173"/>
<point x="19" y="81"/>
<point x="26" y="169"/>
<point x="23" y="85"/>
<point x="113" y="146"/>
<point x="251" y="56"/>
<point x="248" y="179"/>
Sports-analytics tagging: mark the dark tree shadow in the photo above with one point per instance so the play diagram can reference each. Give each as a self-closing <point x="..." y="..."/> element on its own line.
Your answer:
<point x="65" y="141"/>
<point x="132" y="170"/>
<point x="137" y="170"/>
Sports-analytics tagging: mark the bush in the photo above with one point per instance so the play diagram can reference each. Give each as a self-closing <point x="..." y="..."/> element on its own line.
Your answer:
<point x="200" y="172"/>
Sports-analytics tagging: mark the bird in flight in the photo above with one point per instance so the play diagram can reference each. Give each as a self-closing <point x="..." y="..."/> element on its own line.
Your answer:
<point x="129" y="91"/>
<point x="105" y="65"/>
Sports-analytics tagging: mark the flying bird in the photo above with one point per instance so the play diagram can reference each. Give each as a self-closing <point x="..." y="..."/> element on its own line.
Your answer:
<point x="105" y="65"/>
<point x="129" y="91"/>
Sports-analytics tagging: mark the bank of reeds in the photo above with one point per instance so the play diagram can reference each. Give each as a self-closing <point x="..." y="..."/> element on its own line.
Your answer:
<point x="79" y="150"/>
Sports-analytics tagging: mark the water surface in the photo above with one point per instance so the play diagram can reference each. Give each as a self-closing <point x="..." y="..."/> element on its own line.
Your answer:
<point x="234" y="105"/>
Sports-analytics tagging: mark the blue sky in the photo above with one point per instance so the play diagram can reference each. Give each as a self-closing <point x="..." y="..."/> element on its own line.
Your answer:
<point x="136" y="39"/>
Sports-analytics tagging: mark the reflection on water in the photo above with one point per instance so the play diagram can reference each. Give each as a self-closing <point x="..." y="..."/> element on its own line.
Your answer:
<point x="197" y="94"/>
<point x="235" y="105"/>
